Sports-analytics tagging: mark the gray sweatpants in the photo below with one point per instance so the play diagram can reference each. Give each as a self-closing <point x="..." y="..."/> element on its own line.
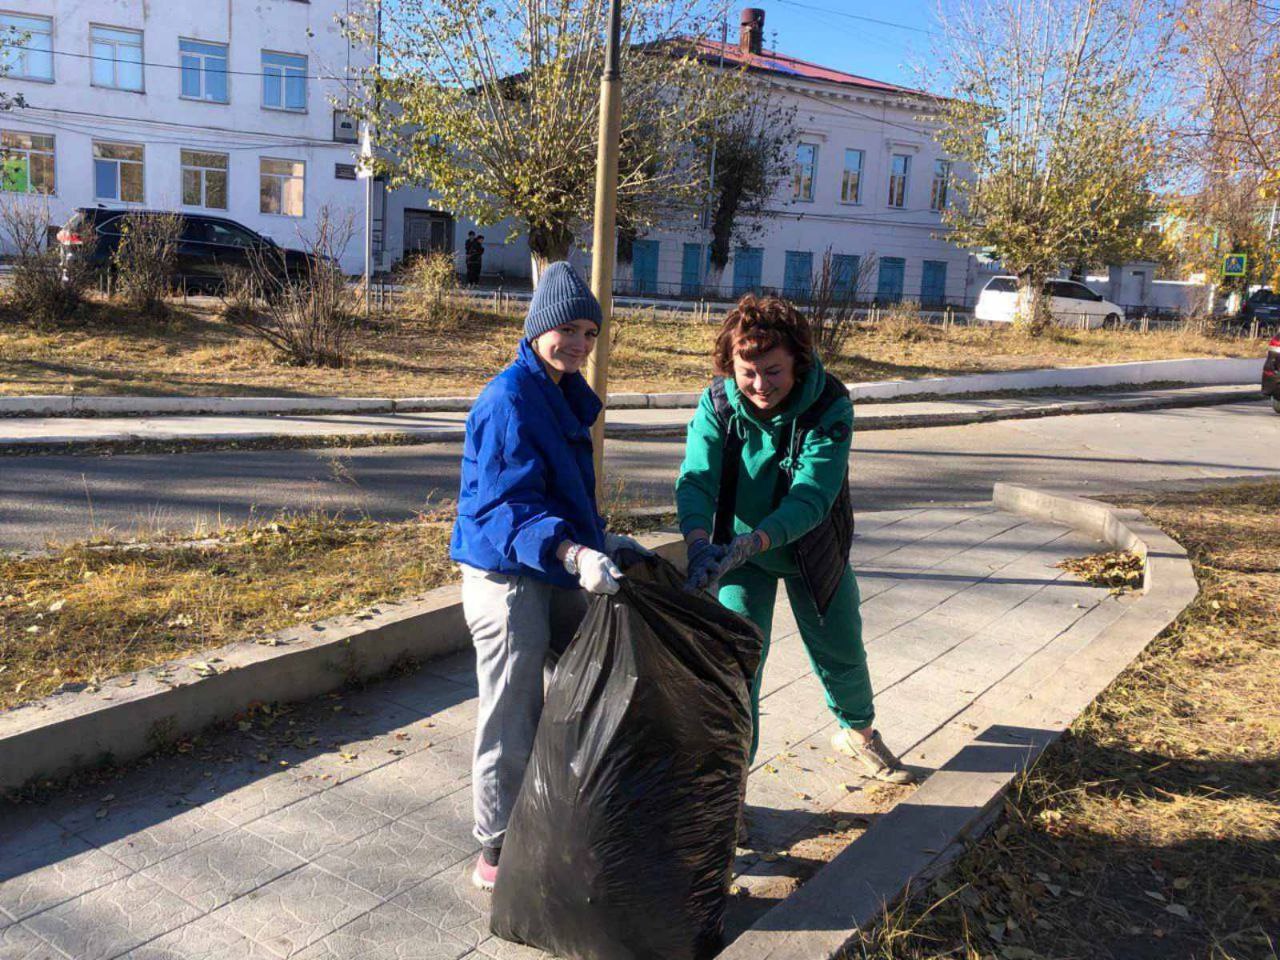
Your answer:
<point x="517" y="625"/>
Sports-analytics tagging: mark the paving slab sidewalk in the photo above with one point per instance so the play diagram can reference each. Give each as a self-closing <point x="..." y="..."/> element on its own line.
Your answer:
<point x="340" y="829"/>
<point x="69" y="433"/>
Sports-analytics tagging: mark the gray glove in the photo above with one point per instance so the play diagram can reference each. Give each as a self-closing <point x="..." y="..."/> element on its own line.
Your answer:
<point x="738" y="552"/>
<point x="704" y="558"/>
<point x="615" y="543"/>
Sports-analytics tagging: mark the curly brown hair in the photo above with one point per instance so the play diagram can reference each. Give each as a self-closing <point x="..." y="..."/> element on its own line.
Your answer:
<point x="757" y="325"/>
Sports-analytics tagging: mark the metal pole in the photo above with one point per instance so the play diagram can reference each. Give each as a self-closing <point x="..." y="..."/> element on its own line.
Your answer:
<point x="368" y="181"/>
<point x="704" y="257"/>
<point x="604" y="234"/>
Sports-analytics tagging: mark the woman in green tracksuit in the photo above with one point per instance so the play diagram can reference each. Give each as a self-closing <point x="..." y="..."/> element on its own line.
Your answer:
<point x="766" y="471"/>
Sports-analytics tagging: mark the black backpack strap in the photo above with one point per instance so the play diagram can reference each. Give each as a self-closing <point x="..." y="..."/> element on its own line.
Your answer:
<point x="730" y="464"/>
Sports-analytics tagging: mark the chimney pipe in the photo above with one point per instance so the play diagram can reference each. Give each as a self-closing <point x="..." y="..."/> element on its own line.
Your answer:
<point x="751" y="31"/>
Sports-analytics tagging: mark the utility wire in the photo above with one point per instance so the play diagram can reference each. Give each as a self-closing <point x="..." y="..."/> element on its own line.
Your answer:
<point x="854" y="16"/>
<point x="178" y="66"/>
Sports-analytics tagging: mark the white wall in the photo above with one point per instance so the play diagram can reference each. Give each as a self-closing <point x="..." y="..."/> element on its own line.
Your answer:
<point x="76" y="113"/>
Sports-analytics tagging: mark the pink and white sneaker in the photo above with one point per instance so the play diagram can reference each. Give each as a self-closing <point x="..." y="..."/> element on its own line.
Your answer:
<point x="485" y="874"/>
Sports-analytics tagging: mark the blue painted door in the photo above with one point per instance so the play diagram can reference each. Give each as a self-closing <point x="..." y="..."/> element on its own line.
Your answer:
<point x="933" y="285"/>
<point x="844" y="275"/>
<point x="748" y="267"/>
<point x="797" y="277"/>
<point x="644" y="266"/>
<point x="691" y="269"/>
<point x="889" y="287"/>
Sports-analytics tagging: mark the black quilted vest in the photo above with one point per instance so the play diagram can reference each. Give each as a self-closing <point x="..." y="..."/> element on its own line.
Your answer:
<point x="822" y="554"/>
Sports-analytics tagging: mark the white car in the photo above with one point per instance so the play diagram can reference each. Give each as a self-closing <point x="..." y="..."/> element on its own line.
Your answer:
<point x="1070" y="304"/>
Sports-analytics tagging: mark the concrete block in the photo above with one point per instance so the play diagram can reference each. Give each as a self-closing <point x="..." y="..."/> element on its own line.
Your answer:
<point x="35" y="406"/>
<point x="391" y="859"/>
<point x="387" y="931"/>
<point x="217" y="871"/>
<point x="297" y="909"/>
<point x="112" y="919"/>
<point x="206" y="937"/>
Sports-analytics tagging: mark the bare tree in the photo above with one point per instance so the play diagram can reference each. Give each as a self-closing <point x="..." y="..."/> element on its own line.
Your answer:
<point x="1052" y="108"/>
<point x="753" y="156"/>
<point x="307" y="313"/>
<point x="838" y="287"/>
<point x="1226" y="72"/>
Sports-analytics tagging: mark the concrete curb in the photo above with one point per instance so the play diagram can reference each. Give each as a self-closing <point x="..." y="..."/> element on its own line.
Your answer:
<point x="1205" y="371"/>
<point x="917" y="839"/>
<point x="124" y="440"/>
<point x="131" y="715"/>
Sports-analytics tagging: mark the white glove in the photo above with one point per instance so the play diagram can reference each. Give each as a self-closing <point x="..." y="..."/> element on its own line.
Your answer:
<point x="596" y="573"/>
<point x="616" y="542"/>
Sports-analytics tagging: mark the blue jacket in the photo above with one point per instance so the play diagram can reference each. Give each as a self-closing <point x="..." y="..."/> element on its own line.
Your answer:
<point x="528" y="482"/>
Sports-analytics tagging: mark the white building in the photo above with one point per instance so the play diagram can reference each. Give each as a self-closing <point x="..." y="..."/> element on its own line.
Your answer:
<point x="869" y="184"/>
<point x="221" y="107"/>
<point x="869" y="181"/>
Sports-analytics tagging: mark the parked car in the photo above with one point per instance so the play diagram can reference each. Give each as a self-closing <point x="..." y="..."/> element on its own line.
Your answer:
<point x="208" y="247"/>
<point x="1262" y="305"/>
<point x="1069" y="303"/>
<point x="1271" y="373"/>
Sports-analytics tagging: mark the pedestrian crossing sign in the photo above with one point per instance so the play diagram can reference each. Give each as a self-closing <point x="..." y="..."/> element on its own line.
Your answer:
<point x="1233" y="264"/>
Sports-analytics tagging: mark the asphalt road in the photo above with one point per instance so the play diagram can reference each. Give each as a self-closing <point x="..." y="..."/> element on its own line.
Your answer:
<point x="62" y="498"/>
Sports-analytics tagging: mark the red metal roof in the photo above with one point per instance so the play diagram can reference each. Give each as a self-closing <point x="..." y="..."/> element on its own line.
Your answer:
<point x="770" y="61"/>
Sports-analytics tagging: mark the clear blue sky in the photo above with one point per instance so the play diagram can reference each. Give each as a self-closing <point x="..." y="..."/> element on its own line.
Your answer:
<point x="829" y="32"/>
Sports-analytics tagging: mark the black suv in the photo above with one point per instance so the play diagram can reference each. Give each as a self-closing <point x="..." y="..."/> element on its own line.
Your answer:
<point x="1263" y="305"/>
<point x="207" y="248"/>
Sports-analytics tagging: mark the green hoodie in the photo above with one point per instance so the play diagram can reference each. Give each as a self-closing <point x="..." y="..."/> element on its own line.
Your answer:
<point x="819" y="473"/>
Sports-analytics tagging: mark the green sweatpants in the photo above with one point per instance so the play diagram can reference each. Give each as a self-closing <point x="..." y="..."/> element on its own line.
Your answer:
<point x="833" y="642"/>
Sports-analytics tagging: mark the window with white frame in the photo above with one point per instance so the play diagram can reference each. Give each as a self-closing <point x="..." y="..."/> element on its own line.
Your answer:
<point x="899" y="171"/>
<point x="284" y="81"/>
<point x="26" y="162"/>
<point x="281" y="185"/>
<point x="118" y="171"/>
<point x="802" y="173"/>
<point x="204" y="179"/>
<point x="204" y="70"/>
<point x="117" y="58"/>
<point x="941" y="184"/>
<point x="851" y="179"/>
<point x="26" y="47"/>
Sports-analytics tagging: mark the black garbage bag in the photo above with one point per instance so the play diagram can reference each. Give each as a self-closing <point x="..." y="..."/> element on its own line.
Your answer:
<point x="621" y="844"/>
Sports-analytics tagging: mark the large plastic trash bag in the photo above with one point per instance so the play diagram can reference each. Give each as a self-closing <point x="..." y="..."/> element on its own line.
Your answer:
<point x="621" y="844"/>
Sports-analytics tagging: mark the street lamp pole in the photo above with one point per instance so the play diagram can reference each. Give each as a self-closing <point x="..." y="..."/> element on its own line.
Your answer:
<point x="604" y="236"/>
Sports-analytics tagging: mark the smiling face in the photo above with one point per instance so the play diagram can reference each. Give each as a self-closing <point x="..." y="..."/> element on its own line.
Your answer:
<point x="565" y="348"/>
<point x="766" y="379"/>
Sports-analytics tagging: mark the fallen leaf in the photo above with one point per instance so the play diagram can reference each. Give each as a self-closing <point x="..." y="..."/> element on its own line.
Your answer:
<point x="1155" y="895"/>
<point x="1178" y="910"/>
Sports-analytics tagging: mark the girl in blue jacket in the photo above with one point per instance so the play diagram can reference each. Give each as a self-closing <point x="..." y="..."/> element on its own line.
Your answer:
<point x="529" y="537"/>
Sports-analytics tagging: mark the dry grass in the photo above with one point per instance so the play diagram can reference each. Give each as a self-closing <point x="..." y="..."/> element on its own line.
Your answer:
<point x="1153" y="828"/>
<point x="198" y="353"/>
<point x="89" y="611"/>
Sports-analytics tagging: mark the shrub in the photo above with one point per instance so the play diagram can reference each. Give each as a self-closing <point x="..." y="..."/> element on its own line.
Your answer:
<point x="39" y="292"/>
<point x="901" y="321"/>
<point x="144" y="261"/>
<point x="306" y="313"/>
<point x="241" y="295"/>
<point x="833" y="313"/>
<point x="431" y="283"/>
